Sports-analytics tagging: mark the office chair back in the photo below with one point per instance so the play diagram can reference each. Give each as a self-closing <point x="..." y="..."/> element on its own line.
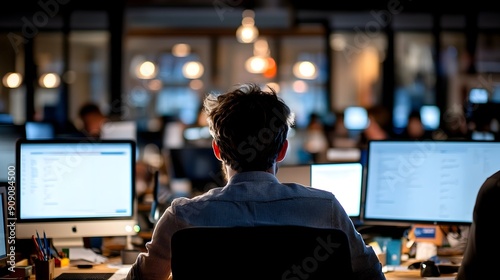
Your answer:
<point x="262" y="252"/>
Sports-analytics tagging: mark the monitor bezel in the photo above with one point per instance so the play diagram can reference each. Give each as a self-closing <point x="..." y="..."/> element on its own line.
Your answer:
<point x="409" y="222"/>
<point x="23" y="141"/>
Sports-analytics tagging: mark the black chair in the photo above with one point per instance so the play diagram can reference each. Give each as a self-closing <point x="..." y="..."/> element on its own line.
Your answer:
<point x="262" y="252"/>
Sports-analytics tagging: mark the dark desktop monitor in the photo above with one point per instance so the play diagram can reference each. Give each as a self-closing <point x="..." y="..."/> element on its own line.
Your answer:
<point x="198" y="165"/>
<point x="9" y="133"/>
<point x="72" y="189"/>
<point x="426" y="182"/>
<point x="344" y="180"/>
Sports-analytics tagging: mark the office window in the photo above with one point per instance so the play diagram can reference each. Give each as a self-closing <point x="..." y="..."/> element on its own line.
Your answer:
<point x="163" y="88"/>
<point x="357" y="69"/>
<point x="415" y="75"/>
<point x="305" y="95"/>
<point x="88" y="76"/>
<point x="11" y="98"/>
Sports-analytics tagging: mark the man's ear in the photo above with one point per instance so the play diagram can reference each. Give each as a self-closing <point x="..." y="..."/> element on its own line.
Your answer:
<point x="215" y="147"/>
<point x="282" y="152"/>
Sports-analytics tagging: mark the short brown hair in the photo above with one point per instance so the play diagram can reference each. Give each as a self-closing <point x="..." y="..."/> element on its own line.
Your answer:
<point x="249" y="125"/>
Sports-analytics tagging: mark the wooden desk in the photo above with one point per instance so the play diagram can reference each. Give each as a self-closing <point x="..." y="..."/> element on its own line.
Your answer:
<point x="412" y="274"/>
<point x="96" y="268"/>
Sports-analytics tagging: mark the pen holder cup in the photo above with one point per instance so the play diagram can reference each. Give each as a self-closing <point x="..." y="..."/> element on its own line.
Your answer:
<point x="44" y="270"/>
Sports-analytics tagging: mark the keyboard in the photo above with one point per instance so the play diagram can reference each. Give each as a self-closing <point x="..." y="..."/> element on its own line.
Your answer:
<point x="84" y="276"/>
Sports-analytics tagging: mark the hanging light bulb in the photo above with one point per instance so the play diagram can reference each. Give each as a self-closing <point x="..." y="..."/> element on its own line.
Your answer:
<point x="181" y="50"/>
<point x="146" y="70"/>
<point x="256" y="64"/>
<point x="192" y="70"/>
<point x="12" y="80"/>
<point x="305" y="70"/>
<point x="247" y="32"/>
<point x="50" y="80"/>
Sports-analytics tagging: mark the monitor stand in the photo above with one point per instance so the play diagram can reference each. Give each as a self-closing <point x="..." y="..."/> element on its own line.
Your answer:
<point x="70" y="242"/>
<point x="61" y="243"/>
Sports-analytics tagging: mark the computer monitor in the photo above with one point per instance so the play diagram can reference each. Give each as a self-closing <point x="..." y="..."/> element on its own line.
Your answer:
<point x="426" y="182"/>
<point x="72" y="188"/>
<point x="9" y="133"/>
<point x="478" y="95"/>
<point x="5" y="254"/>
<point x="300" y="174"/>
<point x="344" y="180"/>
<point x="39" y="130"/>
<point x="119" y="130"/>
<point x="198" y="165"/>
<point x="355" y="118"/>
<point x="430" y="115"/>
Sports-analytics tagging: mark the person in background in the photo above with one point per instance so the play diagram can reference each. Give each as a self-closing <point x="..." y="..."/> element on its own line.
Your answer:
<point x="377" y="129"/>
<point x="477" y="262"/>
<point x="316" y="141"/>
<point x="92" y="119"/>
<point x="249" y="127"/>
<point x="415" y="129"/>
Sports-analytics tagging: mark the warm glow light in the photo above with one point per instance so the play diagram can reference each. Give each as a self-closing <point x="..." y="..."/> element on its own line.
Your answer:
<point x="146" y="70"/>
<point x="196" y="84"/>
<point x="299" y="86"/>
<point x="256" y="64"/>
<point x="261" y="47"/>
<point x="274" y="86"/>
<point x="247" y="33"/>
<point x="12" y="80"/>
<point x="271" y="69"/>
<point x="181" y="50"/>
<point x="192" y="70"/>
<point x="305" y="70"/>
<point x="50" y="80"/>
<point x="338" y="43"/>
<point x="155" y="85"/>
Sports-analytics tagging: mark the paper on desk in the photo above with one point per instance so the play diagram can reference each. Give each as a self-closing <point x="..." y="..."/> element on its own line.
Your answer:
<point x="86" y="254"/>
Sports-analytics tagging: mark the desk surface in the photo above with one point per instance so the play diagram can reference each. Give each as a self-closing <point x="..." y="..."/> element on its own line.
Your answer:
<point x="109" y="267"/>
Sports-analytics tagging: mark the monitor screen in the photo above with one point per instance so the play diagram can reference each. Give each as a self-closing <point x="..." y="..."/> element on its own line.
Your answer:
<point x="75" y="188"/>
<point x="344" y="180"/>
<point x="197" y="164"/>
<point x="39" y="130"/>
<point x="9" y="133"/>
<point x="430" y="182"/>
<point x="478" y="95"/>
<point x="355" y="118"/>
<point x="119" y="130"/>
<point x="430" y="115"/>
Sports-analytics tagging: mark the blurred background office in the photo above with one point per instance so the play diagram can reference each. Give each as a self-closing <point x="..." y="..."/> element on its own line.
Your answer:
<point x="350" y="71"/>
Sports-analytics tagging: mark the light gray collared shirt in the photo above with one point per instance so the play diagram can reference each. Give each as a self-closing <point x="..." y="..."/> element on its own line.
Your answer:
<point x="253" y="199"/>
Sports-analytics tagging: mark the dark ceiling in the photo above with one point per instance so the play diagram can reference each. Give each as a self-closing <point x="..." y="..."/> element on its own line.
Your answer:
<point x="436" y="6"/>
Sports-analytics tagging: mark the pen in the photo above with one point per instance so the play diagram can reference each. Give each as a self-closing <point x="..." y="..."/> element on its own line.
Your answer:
<point x="40" y="245"/>
<point x="37" y="248"/>
<point x="47" y="249"/>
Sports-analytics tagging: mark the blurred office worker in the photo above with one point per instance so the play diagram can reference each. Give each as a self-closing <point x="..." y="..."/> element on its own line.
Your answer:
<point x="479" y="261"/>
